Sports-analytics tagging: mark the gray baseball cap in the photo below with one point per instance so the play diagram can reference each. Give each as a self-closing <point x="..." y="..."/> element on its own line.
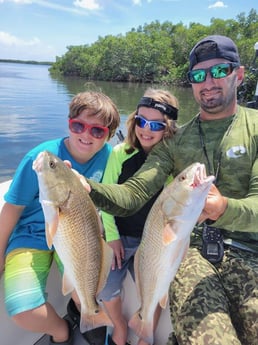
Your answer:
<point x="212" y="47"/>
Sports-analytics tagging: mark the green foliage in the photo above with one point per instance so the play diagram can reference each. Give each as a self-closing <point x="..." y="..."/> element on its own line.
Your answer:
<point x="155" y="52"/>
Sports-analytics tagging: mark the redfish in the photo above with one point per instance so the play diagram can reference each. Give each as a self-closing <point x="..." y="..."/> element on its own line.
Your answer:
<point x="73" y="227"/>
<point x="165" y="241"/>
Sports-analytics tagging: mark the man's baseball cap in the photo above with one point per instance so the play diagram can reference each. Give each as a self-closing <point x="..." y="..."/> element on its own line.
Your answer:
<point x="212" y="47"/>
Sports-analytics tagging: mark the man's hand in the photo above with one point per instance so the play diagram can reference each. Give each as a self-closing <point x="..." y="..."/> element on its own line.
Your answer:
<point x="119" y="253"/>
<point x="215" y="205"/>
<point x="80" y="177"/>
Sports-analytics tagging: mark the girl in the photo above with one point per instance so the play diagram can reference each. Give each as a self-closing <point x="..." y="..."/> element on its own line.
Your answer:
<point x="153" y="120"/>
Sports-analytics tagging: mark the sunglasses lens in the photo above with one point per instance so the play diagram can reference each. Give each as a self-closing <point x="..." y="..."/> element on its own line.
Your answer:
<point x="154" y="126"/>
<point x="97" y="132"/>
<point x="197" y="75"/>
<point x="140" y="122"/>
<point x="76" y="127"/>
<point x="220" y="71"/>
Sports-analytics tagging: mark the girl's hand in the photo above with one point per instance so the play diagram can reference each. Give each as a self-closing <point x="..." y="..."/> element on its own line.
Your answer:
<point x="119" y="253"/>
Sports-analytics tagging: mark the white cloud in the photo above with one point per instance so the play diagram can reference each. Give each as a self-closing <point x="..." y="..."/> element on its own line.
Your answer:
<point x="22" y="1"/>
<point x="18" y="1"/>
<point x="218" y="4"/>
<point x="12" y="47"/>
<point x="87" y="4"/>
<point x="79" y="5"/>
<point x="137" y="2"/>
<point x="10" y="40"/>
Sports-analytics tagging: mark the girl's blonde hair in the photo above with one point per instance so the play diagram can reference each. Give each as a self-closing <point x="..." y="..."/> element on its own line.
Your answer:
<point x="158" y="95"/>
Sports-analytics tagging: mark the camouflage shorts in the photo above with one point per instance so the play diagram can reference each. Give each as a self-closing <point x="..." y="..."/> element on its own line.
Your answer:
<point x="216" y="304"/>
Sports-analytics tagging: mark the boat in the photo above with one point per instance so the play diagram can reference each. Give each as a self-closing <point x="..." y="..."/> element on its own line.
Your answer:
<point x="11" y="334"/>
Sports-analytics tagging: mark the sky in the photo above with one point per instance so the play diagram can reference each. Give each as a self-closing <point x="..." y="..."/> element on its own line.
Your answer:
<point x="41" y="30"/>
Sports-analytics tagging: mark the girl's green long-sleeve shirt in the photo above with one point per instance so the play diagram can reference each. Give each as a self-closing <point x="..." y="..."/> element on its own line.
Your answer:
<point x="111" y="175"/>
<point x="120" y="167"/>
<point x="231" y="145"/>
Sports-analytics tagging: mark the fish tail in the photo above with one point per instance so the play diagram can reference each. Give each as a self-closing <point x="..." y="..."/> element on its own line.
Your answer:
<point x="98" y="319"/>
<point x="142" y="328"/>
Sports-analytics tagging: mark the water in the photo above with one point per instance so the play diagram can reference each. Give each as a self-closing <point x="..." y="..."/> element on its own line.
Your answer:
<point x="34" y="107"/>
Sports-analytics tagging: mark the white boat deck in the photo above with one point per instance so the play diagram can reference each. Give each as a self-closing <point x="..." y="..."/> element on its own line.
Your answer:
<point x="13" y="335"/>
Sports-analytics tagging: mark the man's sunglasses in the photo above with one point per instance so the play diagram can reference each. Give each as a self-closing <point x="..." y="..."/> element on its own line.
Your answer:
<point x="95" y="131"/>
<point x="219" y="71"/>
<point x="154" y="126"/>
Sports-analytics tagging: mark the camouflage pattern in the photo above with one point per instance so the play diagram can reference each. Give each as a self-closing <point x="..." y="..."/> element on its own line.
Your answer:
<point x="216" y="304"/>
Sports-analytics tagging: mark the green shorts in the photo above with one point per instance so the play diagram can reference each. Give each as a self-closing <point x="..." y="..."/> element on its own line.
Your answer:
<point x="25" y="278"/>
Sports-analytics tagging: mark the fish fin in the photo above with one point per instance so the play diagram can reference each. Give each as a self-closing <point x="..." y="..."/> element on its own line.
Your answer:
<point x="201" y="219"/>
<point x="107" y="258"/>
<point x="187" y="244"/>
<point x="98" y="319"/>
<point x="67" y="286"/>
<point x="169" y="234"/>
<point x="81" y="179"/>
<point x="137" y="273"/>
<point x="101" y="228"/>
<point x="163" y="301"/>
<point x="51" y="215"/>
<point x="141" y="327"/>
<point x="49" y="238"/>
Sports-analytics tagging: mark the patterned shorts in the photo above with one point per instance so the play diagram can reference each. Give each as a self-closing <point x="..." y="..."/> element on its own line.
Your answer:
<point x="25" y="278"/>
<point x="216" y="304"/>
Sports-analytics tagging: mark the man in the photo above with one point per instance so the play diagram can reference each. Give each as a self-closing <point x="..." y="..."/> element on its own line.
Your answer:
<point x="214" y="297"/>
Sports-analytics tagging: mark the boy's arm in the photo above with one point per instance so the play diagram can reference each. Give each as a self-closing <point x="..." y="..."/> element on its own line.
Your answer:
<point x="9" y="216"/>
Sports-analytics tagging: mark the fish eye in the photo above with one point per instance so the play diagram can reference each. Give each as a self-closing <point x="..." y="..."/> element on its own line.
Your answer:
<point x="182" y="178"/>
<point x="52" y="164"/>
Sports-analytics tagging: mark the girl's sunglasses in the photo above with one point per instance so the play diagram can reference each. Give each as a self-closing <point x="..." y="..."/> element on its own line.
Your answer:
<point x="95" y="131"/>
<point x="154" y="126"/>
<point x="219" y="71"/>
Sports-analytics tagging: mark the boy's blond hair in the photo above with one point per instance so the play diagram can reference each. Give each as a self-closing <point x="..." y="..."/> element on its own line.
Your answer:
<point x="100" y="105"/>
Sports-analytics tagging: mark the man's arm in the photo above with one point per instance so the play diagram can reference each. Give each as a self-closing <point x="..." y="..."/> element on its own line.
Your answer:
<point x="125" y="199"/>
<point x="242" y="214"/>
